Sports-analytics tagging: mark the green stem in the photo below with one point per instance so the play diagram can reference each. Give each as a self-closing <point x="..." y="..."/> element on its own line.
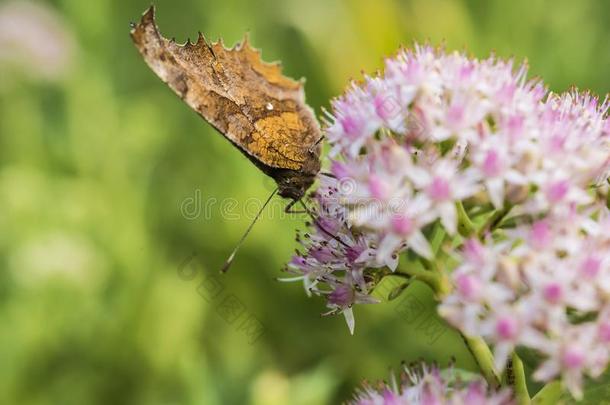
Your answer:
<point x="436" y="280"/>
<point x="466" y="227"/>
<point x="484" y="358"/>
<point x="549" y="394"/>
<point x="495" y="219"/>
<point x="519" y="381"/>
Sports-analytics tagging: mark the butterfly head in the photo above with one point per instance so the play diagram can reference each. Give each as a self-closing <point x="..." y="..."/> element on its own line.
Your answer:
<point x="294" y="184"/>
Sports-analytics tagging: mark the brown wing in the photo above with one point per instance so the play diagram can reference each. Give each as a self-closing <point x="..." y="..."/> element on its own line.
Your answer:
<point x="249" y="101"/>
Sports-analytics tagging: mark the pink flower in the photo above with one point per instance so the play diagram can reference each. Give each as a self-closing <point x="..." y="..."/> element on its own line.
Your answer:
<point x="570" y="356"/>
<point x="335" y="258"/>
<point x="443" y="184"/>
<point x="426" y="385"/>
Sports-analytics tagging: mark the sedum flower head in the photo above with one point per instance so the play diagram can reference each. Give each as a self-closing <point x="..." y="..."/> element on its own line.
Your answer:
<point x="514" y="176"/>
<point x="427" y="385"/>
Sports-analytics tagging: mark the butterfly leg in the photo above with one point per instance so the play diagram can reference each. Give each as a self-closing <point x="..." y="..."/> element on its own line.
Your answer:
<point x="327" y="174"/>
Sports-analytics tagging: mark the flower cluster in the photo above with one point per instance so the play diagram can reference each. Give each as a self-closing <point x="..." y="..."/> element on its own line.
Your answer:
<point x="423" y="384"/>
<point x="544" y="285"/>
<point x="515" y="177"/>
<point x="336" y="256"/>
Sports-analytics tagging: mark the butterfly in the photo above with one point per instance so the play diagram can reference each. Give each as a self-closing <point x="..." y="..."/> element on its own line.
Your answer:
<point x="250" y="102"/>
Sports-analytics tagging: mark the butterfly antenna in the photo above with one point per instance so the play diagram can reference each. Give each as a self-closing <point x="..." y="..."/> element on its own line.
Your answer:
<point x="319" y="225"/>
<point x="320" y="139"/>
<point x="328" y="174"/>
<point x="229" y="261"/>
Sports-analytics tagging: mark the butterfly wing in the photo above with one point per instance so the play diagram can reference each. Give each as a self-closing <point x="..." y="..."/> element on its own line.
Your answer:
<point x="249" y="101"/>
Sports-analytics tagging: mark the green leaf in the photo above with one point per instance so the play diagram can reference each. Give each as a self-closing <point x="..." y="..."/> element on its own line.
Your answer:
<point x="549" y="394"/>
<point x="436" y="237"/>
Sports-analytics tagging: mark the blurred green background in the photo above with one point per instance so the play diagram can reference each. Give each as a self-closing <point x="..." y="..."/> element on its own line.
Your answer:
<point x="118" y="204"/>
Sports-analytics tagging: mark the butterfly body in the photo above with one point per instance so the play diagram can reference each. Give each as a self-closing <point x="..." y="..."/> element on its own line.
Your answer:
<point x="250" y="102"/>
